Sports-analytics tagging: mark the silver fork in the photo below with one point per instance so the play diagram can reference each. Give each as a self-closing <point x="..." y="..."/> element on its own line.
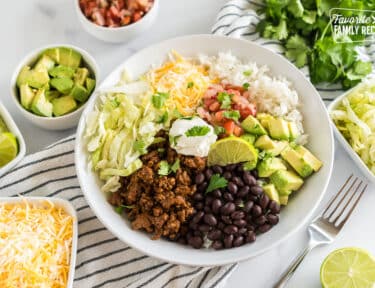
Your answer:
<point x="324" y="228"/>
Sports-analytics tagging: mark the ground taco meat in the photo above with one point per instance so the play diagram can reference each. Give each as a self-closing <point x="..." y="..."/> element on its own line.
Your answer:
<point x="159" y="204"/>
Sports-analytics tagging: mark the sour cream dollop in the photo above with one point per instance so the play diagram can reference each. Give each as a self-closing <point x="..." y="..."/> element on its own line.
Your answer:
<point x="182" y="140"/>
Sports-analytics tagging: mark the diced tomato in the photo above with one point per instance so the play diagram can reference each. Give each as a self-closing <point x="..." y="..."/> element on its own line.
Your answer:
<point x="238" y="131"/>
<point x="215" y="106"/>
<point x="250" y="109"/>
<point x="219" y="116"/>
<point x="229" y="126"/>
<point x="236" y="93"/>
<point x="207" y="102"/>
<point x="234" y="87"/>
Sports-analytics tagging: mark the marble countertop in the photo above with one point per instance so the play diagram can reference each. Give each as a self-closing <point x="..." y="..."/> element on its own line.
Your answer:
<point x="29" y="24"/>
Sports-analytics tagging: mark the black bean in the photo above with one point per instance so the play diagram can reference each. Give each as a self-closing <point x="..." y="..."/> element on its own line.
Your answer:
<point x="240" y="223"/>
<point x="199" y="206"/>
<point x="217" y="169"/>
<point x="217" y="245"/>
<point x="252" y="198"/>
<point x="256" y="210"/>
<point x="221" y="225"/>
<point x="193" y="226"/>
<point x="243" y="191"/>
<point x="198" y="196"/>
<point x="227" y="175"/>
<point x="250" y="237"/>
<point x="255" y="173"/>
<point x="204" y="228"/>
<point x="226" y="219"/>
<point x="197" y="233"/>
<point x="263" y="202"/>
<point x="230" y="229"/>
<point x="209" y="200"/>
<point x="250" y="227"/>
<point x="182" y="241"/>
<point x="230" y="167"/>
<point x="274" y="207"/>
<point x="256" y="190"/>
<point x="207" y="209"/>
<point x="248" y="205"/>
<point x="264" y="228"/>
<point x="228" y="208"/>
<point x="210" y="219"/>
<point x="228" y="241"/>
<point x="249" y="179"/>
<point x="272" y="219"/>
<point x="236" y="215"/>
<point x="232" y="188"/>
<point x="214" y="234"/>
<point x="208" y="173"/>
<point x="195" y="241"/>
<point x="199" y="178"/>
<point x="216" y="193"/>
<point x="227" y="196"/>
<point x="202" y="187"/>
<point x="242" y="231"/>
<point x="240" y="168"/>
<point x="260" y="220"/>
<point x="238" y="241"/>
<point x="216" y="205"/>
<point x="197" y="217"/>
<point x="237" y="180"/>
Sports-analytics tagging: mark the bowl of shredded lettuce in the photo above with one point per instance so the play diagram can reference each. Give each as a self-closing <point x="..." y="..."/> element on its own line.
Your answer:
<point x="353" y="115"/>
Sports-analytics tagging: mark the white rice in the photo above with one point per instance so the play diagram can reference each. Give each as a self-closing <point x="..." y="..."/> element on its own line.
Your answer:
<point x="272" y="94"/>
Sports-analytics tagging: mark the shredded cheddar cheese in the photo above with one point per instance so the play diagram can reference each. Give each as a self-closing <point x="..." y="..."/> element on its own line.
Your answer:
<point x="35" y="245"/>
<point x="184" y="80"/>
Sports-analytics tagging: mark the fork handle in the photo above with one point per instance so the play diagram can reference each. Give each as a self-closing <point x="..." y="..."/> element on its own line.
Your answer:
<point x="293" y="267"/>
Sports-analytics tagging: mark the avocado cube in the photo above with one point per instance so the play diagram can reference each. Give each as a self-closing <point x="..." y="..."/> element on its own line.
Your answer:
<point x="81" y="75"/>
<point x="63" y="85"/>
<point x="27" y="95"/>
<point x="280" y="146"/>
<point x="53" y="53"/>
<point x="44" y="63"/>
<point x="40" y="105"/>
<point x="63" y="105"/>
<point x="264" y="142"/>
<point x="61" y="72"/>
<point x="269" y="165"/>
<point x="264" y="119"/>
<point x="293" y="131"/>
<point x="314" y="162"/>
<point x="35" y="79"/>
<point x="286" y="181"/>
<point x="279" y="129"/>
<point x="271" y="192"/>
<point x="69" y="57"/>
<point x="52" y="94"/>
<point x="23" y="75"/>
<point x="79" y="93"/>
<point x="90" y="85"/>
<point x="249" y="138"/>
<point x="284" y="200"/>
<point x="253" y="126"/>
<point x="297" y="161"/>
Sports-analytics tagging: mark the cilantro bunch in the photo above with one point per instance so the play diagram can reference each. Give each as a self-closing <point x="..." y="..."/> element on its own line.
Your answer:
<point x="304" y="29"/>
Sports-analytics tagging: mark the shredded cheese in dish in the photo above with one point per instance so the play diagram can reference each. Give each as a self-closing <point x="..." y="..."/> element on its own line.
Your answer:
<point x="35" y="245"/>
<point x="185" y="82"/>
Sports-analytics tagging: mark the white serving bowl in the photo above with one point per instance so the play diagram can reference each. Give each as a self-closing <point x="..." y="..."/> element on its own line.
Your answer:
<point x="52" y="123"/>
<point x="355" y="157"/>
<point x="118" y="34"/>
<point x="9" y="122"/>
<point x="301" y="206"/>
<point x="68" y="208"/>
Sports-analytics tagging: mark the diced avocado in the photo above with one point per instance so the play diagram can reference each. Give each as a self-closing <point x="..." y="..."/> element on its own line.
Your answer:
<point x="271" y="192"/>
<point x="63" y="105"/>
<point x="27" y="95"/>
<point x="35" y="79"/>
<point x="269" y="165"/>
<point x="253" y="126"/>
<point x="40" y="105"/>
<point x="278" y="129"/>
<point x="286" y="181"/>
<point x="63" y="85"/>
<point x="264" y="142"/>
<point x="249" y="138"/>
<point x="81" y="75"/>
<point x="284" y="200"/>
<point x="264" y="119"/>
<point x="297" y="161"/>
<point x="44" y="63"/>
<point x="53" y="53"/>
<point x="23" y="75"/>
<point x="314" y="162"/>
<point x="280" y="146"/>
<point x="79" y="93"/>
<point x="90" y="84"/>
<point x="61" y="72"/>
<point x="293" y="131"/>
<point x="52" y="94"/>
<point x="69" y="57"/>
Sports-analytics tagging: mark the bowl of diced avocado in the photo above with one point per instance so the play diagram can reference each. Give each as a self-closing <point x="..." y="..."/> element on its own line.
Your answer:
<point x="52" y="85"/>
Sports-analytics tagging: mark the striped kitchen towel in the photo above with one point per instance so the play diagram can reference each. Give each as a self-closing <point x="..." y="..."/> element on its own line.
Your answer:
<point x="102" y="259"/>
<point x="239" y="18"/>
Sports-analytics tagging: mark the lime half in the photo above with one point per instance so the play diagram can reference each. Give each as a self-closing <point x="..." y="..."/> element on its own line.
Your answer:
<point x="3" y="127"/>
<point x="8" y="148"/>
<point x="348" y="268"/>
<point x="231" y="150"/>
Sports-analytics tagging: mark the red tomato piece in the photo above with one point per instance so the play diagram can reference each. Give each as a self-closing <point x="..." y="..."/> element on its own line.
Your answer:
<point x="229" y="126"/>
<point x="238" y="131"/>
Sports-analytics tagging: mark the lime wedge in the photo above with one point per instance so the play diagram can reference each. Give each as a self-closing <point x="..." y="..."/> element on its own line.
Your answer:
<point x="3" y="127"/>
<point x="348" y="267"/>
<point x="8" y="148"/>
<point x="231" y="150"/>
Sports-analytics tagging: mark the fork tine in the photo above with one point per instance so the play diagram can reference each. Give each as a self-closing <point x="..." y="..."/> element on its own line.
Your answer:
<point x="352" y="208"/>
<point x="341" y="212"/>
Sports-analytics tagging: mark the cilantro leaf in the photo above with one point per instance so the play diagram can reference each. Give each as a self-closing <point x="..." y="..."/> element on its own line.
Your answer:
<point x="216" y="182"/>
<point x="296" y="50"/>
<point x="173" y="140"/>
<point x="140" y="146"/>
<point x="159" y="98"/>
<point x="246" y="85"/>
<point x="296" y="8"/>
<point x="190" y="85"/>
<point x="247" y="73"/>
<point x="234" y="114"/>
<point x="163" y="118"/>
<point x="197" y="131"/>
<point x="163" y="168"/>
<point x="219" y="130"/>
<point x="175" y="166"/>
<point x="309" y="17"/>
<point x="225" y="100"/>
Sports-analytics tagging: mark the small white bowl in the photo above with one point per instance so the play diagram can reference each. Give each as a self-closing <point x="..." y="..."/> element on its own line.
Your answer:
<point x="68" y="208"/>
<point x="52" y="123"/>
<point x="355" y="157"/>
<point x="118" y="34"/>
<point x="9" y="122"/>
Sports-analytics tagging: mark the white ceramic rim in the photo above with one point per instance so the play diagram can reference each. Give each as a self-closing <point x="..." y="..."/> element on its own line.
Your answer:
<point x="27" y="60"/>
<point x="68" y="208"/>
<point x="11" y="125"/>
<point x="111" y="29"/>
<point x="292" y="231"/>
